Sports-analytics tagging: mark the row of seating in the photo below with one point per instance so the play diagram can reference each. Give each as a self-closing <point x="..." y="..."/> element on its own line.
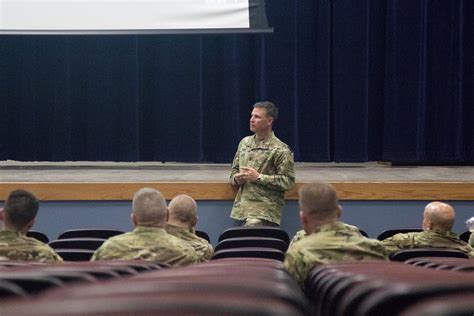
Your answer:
<point x="229" y="233"/>
<point x="260" y="242"/>
<point x="381" y="288"/>
<point x="101" y="233"/>
<point x="24" y="279"/>
<point x="221" y="287"/>
<point x="256" y="242"/>
<point x="443" y="263"/>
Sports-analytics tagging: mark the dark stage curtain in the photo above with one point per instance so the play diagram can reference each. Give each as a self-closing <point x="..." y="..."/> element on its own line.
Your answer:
<point x="354" y="80"/>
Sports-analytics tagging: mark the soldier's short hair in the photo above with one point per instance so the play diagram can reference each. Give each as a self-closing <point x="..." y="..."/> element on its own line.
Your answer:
<point x="20" y="208"/>
<point x="183" y="208"/>
<point x="270" y="109"/>
<point x="319" y="199"/>
<point x="149" y="206"/>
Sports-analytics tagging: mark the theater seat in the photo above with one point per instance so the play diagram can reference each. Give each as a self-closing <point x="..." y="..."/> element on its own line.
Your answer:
<point x="9" y="289"/>
<point x="91" y="233"/>
<point x="264" y="242"/>
<point x="270" y="232"/>
<point x="75" y="254"/>
<point x="172" y="304"/>
<point x="457" y="304"/>
<point x="203" y="235"/>
<point x="465" y="236"/>
<point x="405" y="254"/>
<point x="38" y="235"/>
<point x="253" y="252"/>
<point x="77" y="243"/>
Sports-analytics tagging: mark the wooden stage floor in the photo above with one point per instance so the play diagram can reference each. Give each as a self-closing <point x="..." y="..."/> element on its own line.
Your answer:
<point x="71" y="181"/>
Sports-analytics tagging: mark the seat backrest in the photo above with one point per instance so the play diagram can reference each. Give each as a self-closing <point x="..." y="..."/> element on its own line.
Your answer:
<point x="453" y="304"/>
<point x="203" y="235"/>
<point x="77" y="243"/>
<point x="271" y="232"/>
<point x="240" y="242"/>
<point x="38" y="235"/>
<point x="405" y="254"/>
<point x="190" y="304"/>
<point x="31" y="282"/>
<point x="389" y="233"/>
<point x="91" y="233"/>
<point x="10" y="289"/>
<point x="465" y="236"/>
<point x="254" y="252"/>
<point x="75" y="254"/>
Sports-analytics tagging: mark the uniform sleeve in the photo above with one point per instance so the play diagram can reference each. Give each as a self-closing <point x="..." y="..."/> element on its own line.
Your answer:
<point x="46" y="254"/>
<point x="209" y="253"/>
<point x="108" y="250"/>
<point x="294" y="266"/>
<point x="284" y="177"/>
<point x="398" y="242"/>
<point x="299" y="263"/>
<point x="235" y="166"/>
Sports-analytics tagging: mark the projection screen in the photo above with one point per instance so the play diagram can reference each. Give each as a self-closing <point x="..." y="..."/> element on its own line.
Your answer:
<point x="131" y="16"/>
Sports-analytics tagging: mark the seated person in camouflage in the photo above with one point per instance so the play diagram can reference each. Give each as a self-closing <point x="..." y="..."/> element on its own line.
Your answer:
<point x="301" y="233"/>
<point x="149" y="240"/>
<point x="19" y="215"/>
<point x="438" y="220"/>
<point x="327" y="240"/>
<point x="182" y="222"/>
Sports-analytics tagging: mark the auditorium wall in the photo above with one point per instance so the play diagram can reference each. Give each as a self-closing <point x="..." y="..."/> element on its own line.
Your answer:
<point x="371" y="216"/>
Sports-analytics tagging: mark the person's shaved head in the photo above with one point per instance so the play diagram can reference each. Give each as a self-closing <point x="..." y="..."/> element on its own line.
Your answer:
<point x="183" y="211"/>
<point x="438" y="216"/>
<point x="149" y="207"/>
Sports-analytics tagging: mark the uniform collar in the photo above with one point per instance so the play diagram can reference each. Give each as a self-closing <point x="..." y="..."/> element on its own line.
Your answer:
<point x="148" y="229"/>
<point x="264" y="143"/>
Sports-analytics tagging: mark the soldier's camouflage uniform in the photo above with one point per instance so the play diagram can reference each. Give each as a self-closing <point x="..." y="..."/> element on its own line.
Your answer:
<point x="202" y="247"/>
<point x="17" y="246"/>
<point x="429" y="238"/>
<point x="471" y="240"/>
<point x="301" y="233"/>
<point x="263" y="199"/>
<point x="147" y="243"/>
<point x="330" y="243"/>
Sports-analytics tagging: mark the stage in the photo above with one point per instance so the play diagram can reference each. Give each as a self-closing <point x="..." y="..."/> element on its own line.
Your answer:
<point x="116" y="181"/>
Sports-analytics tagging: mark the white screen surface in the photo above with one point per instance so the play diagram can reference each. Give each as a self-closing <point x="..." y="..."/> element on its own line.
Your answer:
<point x="70" y="15"/>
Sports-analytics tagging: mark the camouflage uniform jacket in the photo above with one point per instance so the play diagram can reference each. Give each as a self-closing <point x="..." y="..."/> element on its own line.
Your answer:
<point x="330" y="243"/>
<point x="301" y="233"/>
<point x="147" y="243"/>
<point x="263" y="199"/>
<point x="17" y="246"/>
<point x="429" y="238"/>
<point x="203" y="249"/>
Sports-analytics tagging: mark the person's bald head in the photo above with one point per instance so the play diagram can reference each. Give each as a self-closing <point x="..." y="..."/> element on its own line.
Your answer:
<point x="183" y="211"/>
<point x="149" y="208"/>
<point x="438" y="216"/>
<point x="318" y="204"/>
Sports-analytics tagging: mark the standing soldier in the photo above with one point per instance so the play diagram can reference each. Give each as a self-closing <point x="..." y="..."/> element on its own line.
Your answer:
<point x="263" y="170"/>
